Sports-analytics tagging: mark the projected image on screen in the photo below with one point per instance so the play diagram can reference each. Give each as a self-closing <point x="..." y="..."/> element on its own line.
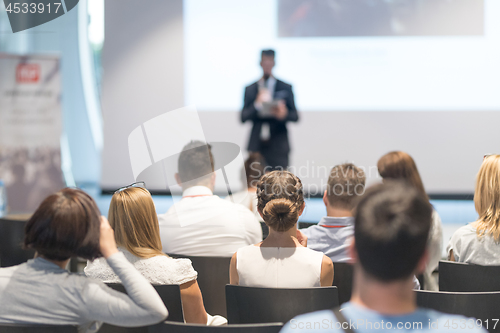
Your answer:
<point x="343" y="18"/>
<point x="343" y="55"/>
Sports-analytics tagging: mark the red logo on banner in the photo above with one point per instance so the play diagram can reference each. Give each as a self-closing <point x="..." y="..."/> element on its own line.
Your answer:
<point x="27" y="73"/>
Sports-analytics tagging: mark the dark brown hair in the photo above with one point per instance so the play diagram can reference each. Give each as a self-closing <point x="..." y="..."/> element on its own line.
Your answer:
<point x="400" y="165"/>
<point x="391" y="228"/>
<point x="255" y="168"/>
<point x="345" y="184"/>
<point x="195" y="161"/>
<point x="280" y="196"/>
<point x="66" y="224"/>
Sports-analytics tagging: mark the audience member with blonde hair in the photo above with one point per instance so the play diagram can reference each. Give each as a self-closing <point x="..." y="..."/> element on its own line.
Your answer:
<point x="133" y="217"/>
<point x="275" y="261"/>
<point x="400" y="165"/>
<point x="479" y="242"/>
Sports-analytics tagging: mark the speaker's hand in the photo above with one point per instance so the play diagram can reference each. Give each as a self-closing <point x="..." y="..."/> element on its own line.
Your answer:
<point x="280" y="112"/>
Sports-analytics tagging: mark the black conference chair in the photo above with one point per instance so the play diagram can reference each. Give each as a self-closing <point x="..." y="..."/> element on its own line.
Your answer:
<point x="460" y="277"/>
<point x="25" y="328"/>
<point x="11" y="240"/>
<point x="250" y="305"/>
<point x="11" y="245"/>
<point x="305" y="225"/>
<point x="213" y="275"/>
<point x="171" y="327"/>
<point x="481" y="305"/>
<point x="342" y="279"/>
<point x="170" y="294"/>
<point x="265" y="230"/>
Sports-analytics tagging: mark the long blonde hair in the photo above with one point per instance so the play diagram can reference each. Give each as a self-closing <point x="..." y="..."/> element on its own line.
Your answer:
<point x="487" y="197"/>
<point x="132" y="215"/>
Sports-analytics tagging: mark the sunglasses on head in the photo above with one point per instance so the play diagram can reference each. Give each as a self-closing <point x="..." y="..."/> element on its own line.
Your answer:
<point x="136" y="184"/>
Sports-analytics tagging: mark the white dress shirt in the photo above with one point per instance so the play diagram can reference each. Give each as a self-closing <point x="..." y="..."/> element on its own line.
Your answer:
<point x="202" y="224"/>
<point x="269" y="85"/>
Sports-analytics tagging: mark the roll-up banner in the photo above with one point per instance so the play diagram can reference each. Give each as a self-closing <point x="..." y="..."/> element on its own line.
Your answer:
<point x="30" y="129"/>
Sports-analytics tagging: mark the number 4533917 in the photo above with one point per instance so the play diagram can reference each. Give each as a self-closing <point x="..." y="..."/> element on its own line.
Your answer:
<point x="32" y="7"/>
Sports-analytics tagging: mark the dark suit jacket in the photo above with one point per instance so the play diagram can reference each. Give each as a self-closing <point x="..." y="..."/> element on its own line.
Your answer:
<point x="278" y="141"/>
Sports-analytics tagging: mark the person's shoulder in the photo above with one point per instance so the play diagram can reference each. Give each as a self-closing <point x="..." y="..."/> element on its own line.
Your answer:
<point x="283" y="84"/>
<point x="252" y="85"/>
<point x="465" y="230"/>
<point x="310" y="322"/>
<point x="166" y="270"/>
<point x="242" y="211"/>
<point x="242" y="251"/>
<point x="307" y="231"/>
<point x="95" y="267"/>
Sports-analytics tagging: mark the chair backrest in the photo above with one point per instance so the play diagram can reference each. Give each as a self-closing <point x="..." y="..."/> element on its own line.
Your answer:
<point x="305" y="225"/>
<point x="249" y="305"/>
<point x="170" y="294"/>
<point x="213" y="275"/>
<point x="32" y="328"/>
<point x="171" y="327"/>
<point x="481" y="305"/>
<point x="342" y="279"/>
<point x="265" y="230"/>
<point x="11" y="240"/>
<point x="460" y="277"/>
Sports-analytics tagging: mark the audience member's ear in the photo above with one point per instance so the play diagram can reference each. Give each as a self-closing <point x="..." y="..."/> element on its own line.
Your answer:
<point x="325" y="198"/>
<point x="302" y="208"/>
<point x="178" y="179"/>
<point x="422" y="263"/>
<point x="351" y="251"/>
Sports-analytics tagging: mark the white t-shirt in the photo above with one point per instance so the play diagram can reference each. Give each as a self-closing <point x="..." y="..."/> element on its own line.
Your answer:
<point x="279" y="267"/>
<point x="157" y="270"/>
<point x="469" y="248"/>
<point x="202" y="224"/>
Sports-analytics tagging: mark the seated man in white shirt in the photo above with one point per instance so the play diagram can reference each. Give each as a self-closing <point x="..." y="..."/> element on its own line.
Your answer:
<point x="333" y="233"/>
<point x="201" y="223"/>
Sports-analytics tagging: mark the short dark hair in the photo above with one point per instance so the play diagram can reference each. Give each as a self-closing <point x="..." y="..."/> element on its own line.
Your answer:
<point x="267" y="53"/>
<point x="66" y="224"/>
<point x="255" y="168"/>
<point x="391" y="228"/>
<point x="195" y="161"/>
<point x="345" y="184"/>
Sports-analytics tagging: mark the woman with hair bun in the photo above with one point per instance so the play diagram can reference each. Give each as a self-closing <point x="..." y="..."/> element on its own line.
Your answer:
<point x="282" y="260"/>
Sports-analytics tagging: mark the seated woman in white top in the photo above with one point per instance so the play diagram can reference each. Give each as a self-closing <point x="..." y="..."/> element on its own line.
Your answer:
<point x="282" y="260"/>
<point x="133" y="217"/>
<point x="41" y="291"/>
<point x="400" y="165"/>
<point x="478" y="242"/>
